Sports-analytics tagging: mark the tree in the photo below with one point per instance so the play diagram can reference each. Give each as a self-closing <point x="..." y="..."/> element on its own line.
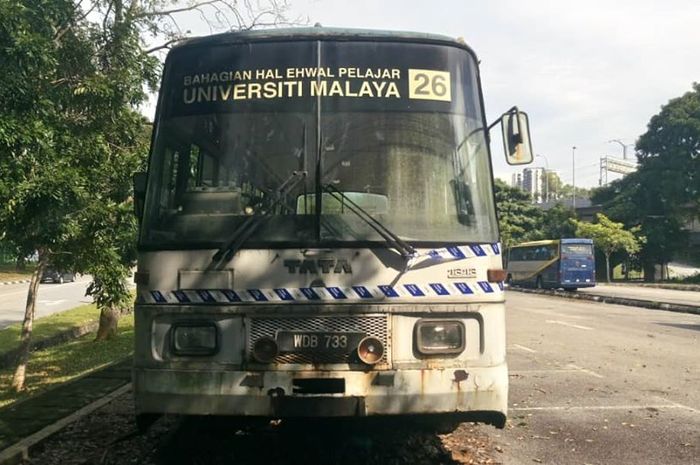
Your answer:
<point x="125" y="65"/>
<point x="556" y="222"/>
<point x="664" y="193"/>
<point x="553" y="186"/>
<point x="40" y="186"/>
<point x="518" y="219"/>
<point x="566" y="190"/>
<point x="670" y="148"/>
<point x="609" y="236"/>
<point x="71" y="135"/>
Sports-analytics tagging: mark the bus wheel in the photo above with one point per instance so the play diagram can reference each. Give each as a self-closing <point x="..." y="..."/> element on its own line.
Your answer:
<point x="509" y="279"/>
<point x="538" y="283"/>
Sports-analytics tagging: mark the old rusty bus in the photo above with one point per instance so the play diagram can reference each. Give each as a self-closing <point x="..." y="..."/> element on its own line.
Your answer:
<point x="318" y="234"/>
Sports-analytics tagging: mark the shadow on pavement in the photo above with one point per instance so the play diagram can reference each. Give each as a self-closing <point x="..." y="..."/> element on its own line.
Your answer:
<point x="212" y="442"/>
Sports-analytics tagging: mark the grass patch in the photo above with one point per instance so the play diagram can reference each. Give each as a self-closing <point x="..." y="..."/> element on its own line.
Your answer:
<point x="48" y="326"/>
<point x="8" y="272"/>
<point x="55" y="365"/>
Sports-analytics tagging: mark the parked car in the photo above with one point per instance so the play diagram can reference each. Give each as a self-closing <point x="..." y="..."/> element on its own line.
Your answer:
<point x="52" y="275"/>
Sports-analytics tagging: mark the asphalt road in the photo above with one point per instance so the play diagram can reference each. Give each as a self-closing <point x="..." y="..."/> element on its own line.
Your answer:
<point x="646" y="293"/>
<point x="52" y="298"/>
<point x="600" y="384"/>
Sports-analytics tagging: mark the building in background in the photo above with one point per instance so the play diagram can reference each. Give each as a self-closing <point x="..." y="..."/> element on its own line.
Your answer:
<point x="516" y="180"/>
<point x="534" y="183"/>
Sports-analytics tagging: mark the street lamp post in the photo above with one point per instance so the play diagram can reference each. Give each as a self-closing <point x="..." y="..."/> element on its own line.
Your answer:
<point x="624" y="147"/>
<point x="573" y="177"/>
<point x="546" y="177"/>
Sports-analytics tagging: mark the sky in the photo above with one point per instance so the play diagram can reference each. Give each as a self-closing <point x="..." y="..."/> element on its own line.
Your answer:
<point x="585" y="72"/>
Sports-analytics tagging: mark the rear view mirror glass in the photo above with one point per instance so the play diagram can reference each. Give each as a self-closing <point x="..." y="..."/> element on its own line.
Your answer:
<point x="516" y="138"/>
<point x="374" y="204"/>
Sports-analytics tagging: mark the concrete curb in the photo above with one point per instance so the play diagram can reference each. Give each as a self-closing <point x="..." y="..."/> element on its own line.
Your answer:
<point x="612" y="300"/>
<point x="19" y="452"/>
<point x="21" y="281"/>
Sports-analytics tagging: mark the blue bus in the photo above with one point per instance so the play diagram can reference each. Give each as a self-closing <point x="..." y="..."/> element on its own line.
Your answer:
<point x="559" y="263"/>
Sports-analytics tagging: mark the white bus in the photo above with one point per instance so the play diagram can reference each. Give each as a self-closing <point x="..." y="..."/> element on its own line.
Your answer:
<point x="318" y="234"/>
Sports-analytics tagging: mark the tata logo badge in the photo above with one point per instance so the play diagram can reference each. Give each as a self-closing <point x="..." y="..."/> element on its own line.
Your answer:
<point x="322" y="265"/>
<point x="461" y="273"/>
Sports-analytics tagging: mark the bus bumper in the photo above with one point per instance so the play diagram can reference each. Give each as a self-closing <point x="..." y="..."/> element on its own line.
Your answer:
<point x="469" y="392"/>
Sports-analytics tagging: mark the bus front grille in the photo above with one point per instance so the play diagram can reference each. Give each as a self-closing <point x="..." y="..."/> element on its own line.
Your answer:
<point x="376" y="326"/>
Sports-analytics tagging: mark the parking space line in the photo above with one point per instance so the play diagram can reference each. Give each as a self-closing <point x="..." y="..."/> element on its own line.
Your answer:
<point x="585" y="370"/>
<point x="570" y="368"/>
<point x="598" y="407"/>
<point x="570" y="325"/>
<point x="677" y="405"/>
<point x="526" y="349"/>
<point x="545" y="371"/>
<point x="552" y="313"/>
<point x="50" y="303"/>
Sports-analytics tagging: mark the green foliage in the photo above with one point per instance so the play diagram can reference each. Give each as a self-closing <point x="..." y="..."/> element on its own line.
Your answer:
<point x="609" y="237"/>
<point x="70" y="138"/>
<point x="566" y="190"/>
<point x="518" y="219"/>
<point x="556" y="223"/>
<point x="39" y="186"/>
<point x="671" y="150"/>
<point x="664" y="193"/>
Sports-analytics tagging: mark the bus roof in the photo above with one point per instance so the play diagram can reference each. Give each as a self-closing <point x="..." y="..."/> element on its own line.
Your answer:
<point x="317" y="32"/>
<point x="536" y="243"/>
<point x="575" y="240"/>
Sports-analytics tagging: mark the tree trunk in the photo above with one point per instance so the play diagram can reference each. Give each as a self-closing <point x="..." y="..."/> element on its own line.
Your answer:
<point x="109" y="318"/>
<point x="649" y="271"/>
<point x="27" y="324"/>
<point x="607" y="267"/>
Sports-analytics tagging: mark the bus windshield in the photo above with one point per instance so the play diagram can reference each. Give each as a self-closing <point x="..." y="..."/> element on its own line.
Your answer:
<point x="577" y="249"/>
<point x="421" y="167"/>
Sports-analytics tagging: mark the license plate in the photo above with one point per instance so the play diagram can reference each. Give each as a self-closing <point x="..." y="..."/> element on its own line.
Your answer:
<point x="303" y="341"/>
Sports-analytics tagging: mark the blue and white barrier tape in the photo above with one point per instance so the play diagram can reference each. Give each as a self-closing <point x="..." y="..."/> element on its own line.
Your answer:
<point x="457" y="252"/>
<point x="318" y="294"/>
<point x="465" y="251"/>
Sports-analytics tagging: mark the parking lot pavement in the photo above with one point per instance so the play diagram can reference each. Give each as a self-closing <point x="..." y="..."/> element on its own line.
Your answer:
<point x="600" y="384"/>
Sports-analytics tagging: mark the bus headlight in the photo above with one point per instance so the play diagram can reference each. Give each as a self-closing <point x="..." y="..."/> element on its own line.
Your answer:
<point x="195" y="338"/>
<point x="439" y="337"/>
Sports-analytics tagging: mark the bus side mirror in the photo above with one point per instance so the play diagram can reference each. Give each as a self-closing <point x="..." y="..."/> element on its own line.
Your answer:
<point x="516" y="137"/>
<point x="139" y="180"/>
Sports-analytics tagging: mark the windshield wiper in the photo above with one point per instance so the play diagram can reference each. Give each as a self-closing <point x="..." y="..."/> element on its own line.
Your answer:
<point x="253" y="222"/>
<point x="405" y="249"/>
